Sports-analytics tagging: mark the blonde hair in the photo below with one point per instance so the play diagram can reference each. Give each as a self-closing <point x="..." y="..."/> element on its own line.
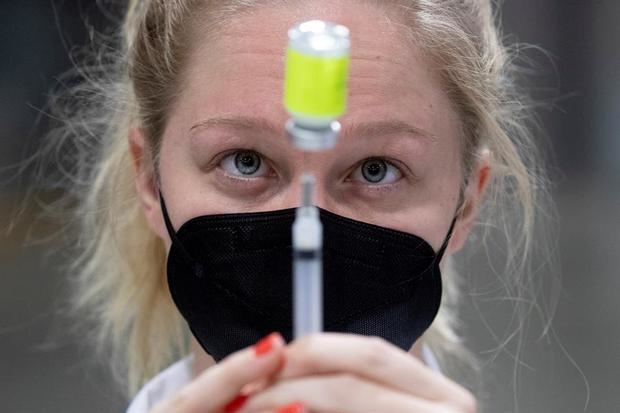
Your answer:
<point x="120" y="282"/>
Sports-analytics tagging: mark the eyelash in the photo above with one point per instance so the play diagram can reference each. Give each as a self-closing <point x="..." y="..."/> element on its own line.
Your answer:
<point x="241" y="178"/>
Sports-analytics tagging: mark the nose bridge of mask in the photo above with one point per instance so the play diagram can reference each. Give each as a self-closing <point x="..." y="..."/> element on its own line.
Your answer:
<point x="174" y="237"/>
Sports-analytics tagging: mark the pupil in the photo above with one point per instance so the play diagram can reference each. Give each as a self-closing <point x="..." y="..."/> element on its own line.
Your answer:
<point x="247" y="162"/>
<point x="374" y="171"/>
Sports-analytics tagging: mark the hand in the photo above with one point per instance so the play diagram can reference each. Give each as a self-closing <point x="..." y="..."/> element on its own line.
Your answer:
<point x="217" y="389"/>
<point x="346" y="373"/>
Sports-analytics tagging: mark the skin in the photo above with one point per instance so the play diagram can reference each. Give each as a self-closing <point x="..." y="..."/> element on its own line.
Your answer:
<point x="240" y="74"/>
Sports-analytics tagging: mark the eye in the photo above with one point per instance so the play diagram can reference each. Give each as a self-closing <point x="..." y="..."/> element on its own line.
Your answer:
<point x="377" y="171"/>
<point x="245" y="164"/>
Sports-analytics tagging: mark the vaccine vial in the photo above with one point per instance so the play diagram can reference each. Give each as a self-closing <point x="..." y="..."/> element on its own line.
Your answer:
<point x="315" y="87"/>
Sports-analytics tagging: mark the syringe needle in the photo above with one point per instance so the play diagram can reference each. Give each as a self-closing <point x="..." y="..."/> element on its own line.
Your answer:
<point x="307" y="183"/>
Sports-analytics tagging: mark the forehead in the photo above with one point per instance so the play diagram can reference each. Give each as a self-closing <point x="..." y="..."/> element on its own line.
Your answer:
<point x="241" y="69"/>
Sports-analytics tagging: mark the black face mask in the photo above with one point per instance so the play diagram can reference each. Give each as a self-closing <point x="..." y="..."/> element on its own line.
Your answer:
<point x="231" y="278"/>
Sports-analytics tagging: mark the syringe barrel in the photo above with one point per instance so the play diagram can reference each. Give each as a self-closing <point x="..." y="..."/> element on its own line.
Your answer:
<point x="307" y="265"/>
<point x="308" y="293"/>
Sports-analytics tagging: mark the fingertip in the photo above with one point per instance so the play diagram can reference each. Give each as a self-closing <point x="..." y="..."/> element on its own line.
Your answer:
<point x="297" y="407"/>
<point x="268" y="344"/>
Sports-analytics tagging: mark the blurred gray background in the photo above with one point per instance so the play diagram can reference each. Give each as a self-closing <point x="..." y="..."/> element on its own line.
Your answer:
<point x="44" y="370"/>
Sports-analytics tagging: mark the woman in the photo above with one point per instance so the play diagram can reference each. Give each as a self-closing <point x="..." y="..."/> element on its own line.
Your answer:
<point x="195" y="118"/>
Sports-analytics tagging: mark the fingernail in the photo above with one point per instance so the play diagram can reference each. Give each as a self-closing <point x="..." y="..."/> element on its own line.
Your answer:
<point x="236" y="404"/>
<point x="267" y="344"/>
<point x="297" y="407"/>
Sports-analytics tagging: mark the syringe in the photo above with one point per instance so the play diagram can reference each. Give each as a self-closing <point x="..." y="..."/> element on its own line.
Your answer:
<point x="315" y="96"/>
<point x="307" y="264"/>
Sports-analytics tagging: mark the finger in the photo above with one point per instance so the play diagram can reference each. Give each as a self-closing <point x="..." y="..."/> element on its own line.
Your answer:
<point x="215" y="388"/>
<point x="296" y="407"/>
<point x="338" y="393"/>
<point x="371" y="358"/>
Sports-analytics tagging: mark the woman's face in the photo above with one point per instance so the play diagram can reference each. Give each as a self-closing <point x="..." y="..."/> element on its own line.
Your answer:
<point x="398" y="159"/>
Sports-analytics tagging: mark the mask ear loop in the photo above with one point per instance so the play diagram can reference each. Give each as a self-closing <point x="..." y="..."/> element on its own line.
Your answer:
<point x="172" y="233"/>
<point x="446" y="241"/>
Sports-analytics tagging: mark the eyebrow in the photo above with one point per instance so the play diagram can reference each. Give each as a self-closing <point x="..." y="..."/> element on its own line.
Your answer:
<point x="239" y="122"/>
<point x="374" y="128"/>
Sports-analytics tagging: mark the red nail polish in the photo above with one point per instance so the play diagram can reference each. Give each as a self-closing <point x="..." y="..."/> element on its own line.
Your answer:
<point x="297" y="407"/>
<point x="266" y="344"/>
<point x="236" y="404"/>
